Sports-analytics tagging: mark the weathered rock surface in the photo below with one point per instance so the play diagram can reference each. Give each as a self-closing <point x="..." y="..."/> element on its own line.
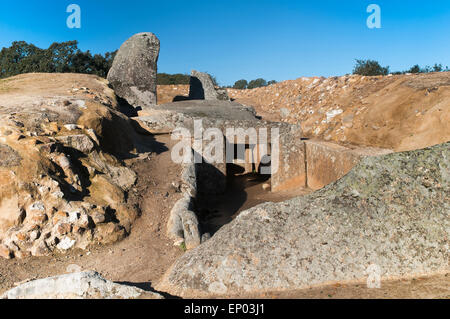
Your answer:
<point x="327" y="162"/>
<point x="390" y="211"/>
<point x="202" y="88"/>
<point x="183" y="225"/>
<point x="83" y="285"/>
<point x="62" y="182"/>
<point x="134" y="70"/>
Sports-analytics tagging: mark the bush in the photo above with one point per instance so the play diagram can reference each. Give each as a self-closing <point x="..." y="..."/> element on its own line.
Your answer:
<point x="369" y="68"/>
<point x="257" y="83"/>
<point x="240" y="85"/>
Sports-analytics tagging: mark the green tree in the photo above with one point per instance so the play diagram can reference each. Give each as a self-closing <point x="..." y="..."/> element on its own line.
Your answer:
<point x="257" y="83"/>
<point x="414" y="69"/>
<point x="240" y="85"/>
<point x="369" y="68"/>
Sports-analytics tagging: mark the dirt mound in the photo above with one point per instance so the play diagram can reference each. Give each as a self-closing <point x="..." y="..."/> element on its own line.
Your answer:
<point x="399" y="112"/>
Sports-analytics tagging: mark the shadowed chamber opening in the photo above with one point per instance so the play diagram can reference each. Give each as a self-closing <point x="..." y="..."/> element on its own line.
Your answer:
<point x="244" y="188"/>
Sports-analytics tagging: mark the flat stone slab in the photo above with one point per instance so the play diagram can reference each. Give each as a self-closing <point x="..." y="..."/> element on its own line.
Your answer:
<point x="327" y="162"/>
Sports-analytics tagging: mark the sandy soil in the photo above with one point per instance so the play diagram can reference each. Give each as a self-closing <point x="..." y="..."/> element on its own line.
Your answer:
<point x="429" y="287"/>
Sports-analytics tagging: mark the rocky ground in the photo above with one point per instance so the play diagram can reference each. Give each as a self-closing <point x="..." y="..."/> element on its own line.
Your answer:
<point x="85" y="187"/>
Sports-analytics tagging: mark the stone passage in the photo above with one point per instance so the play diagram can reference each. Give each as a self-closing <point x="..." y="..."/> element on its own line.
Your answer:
<point x="390" y="212"/>
<point x="202" y="88"/>
<point x="134" y="70"/>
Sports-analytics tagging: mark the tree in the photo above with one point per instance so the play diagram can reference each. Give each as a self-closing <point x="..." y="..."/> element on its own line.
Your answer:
<point x="240" y="85"/>
<point x="369" y="68"/>
<point x="414" y="69"/>
<point x="64" y="57"/>
<point x="257" y="83"/>
<point x="272" y="82"/>
<point x="437" y="68"/>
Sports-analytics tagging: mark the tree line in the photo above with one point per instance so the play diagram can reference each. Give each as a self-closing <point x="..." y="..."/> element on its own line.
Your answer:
<point x="253" y="84"/>
<point x="65" y="57"/>
<point x="373" y="68"/>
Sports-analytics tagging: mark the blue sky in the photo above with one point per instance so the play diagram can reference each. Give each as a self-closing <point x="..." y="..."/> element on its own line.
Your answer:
<point x="234" y="39"/>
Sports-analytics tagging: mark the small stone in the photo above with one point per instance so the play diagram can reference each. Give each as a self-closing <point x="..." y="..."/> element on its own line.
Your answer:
<point x="63" y="228"/>
<point x="74" y="216"/>
<point x="79" y="142"/>
<point x="5" y="252"/>
<point x="71" y="127"/>
<point x="98" y="217"/>
<point x="59" y="216"/>
<point x="66" y="243"/>
<point x="39" y="218"/>
<point x="39" y="249"/>
<point x="35" y="234"/>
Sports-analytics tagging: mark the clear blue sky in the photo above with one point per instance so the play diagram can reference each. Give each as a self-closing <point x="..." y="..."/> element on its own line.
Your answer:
<point x="234" y="39"/>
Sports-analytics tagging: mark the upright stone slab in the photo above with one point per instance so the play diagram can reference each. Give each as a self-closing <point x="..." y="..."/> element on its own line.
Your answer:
<point x="202" y="88"/>
<point x="134" y="70"/>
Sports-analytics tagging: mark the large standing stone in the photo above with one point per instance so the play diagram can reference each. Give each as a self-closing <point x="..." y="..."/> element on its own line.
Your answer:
<point x="202" y="88"/>
<point x="134" y="70"/>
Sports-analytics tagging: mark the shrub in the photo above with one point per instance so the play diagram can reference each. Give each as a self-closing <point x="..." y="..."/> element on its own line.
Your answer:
<point x="240" y="85"/>
<point x="369" y="68"/>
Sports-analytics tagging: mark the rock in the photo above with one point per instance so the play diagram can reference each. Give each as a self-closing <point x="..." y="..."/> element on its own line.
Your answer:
<point x="80" y="142"/>
<point x="66" y="243"/>
<point x="39" y="248"/>
<point x="9" y="157"/>
<point x="391" y="211"/>
<point x="133" y="73"/>
<point x="5" y="252"/>
<point x="284" y="112"/>
<point x="205" y="237"/>
<point x="109" y="233"/>
<point x="202" y="88"/>
<point x="82" y="285"/>
<point x="98" y="217"/>
<point x="190" y="229"/>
